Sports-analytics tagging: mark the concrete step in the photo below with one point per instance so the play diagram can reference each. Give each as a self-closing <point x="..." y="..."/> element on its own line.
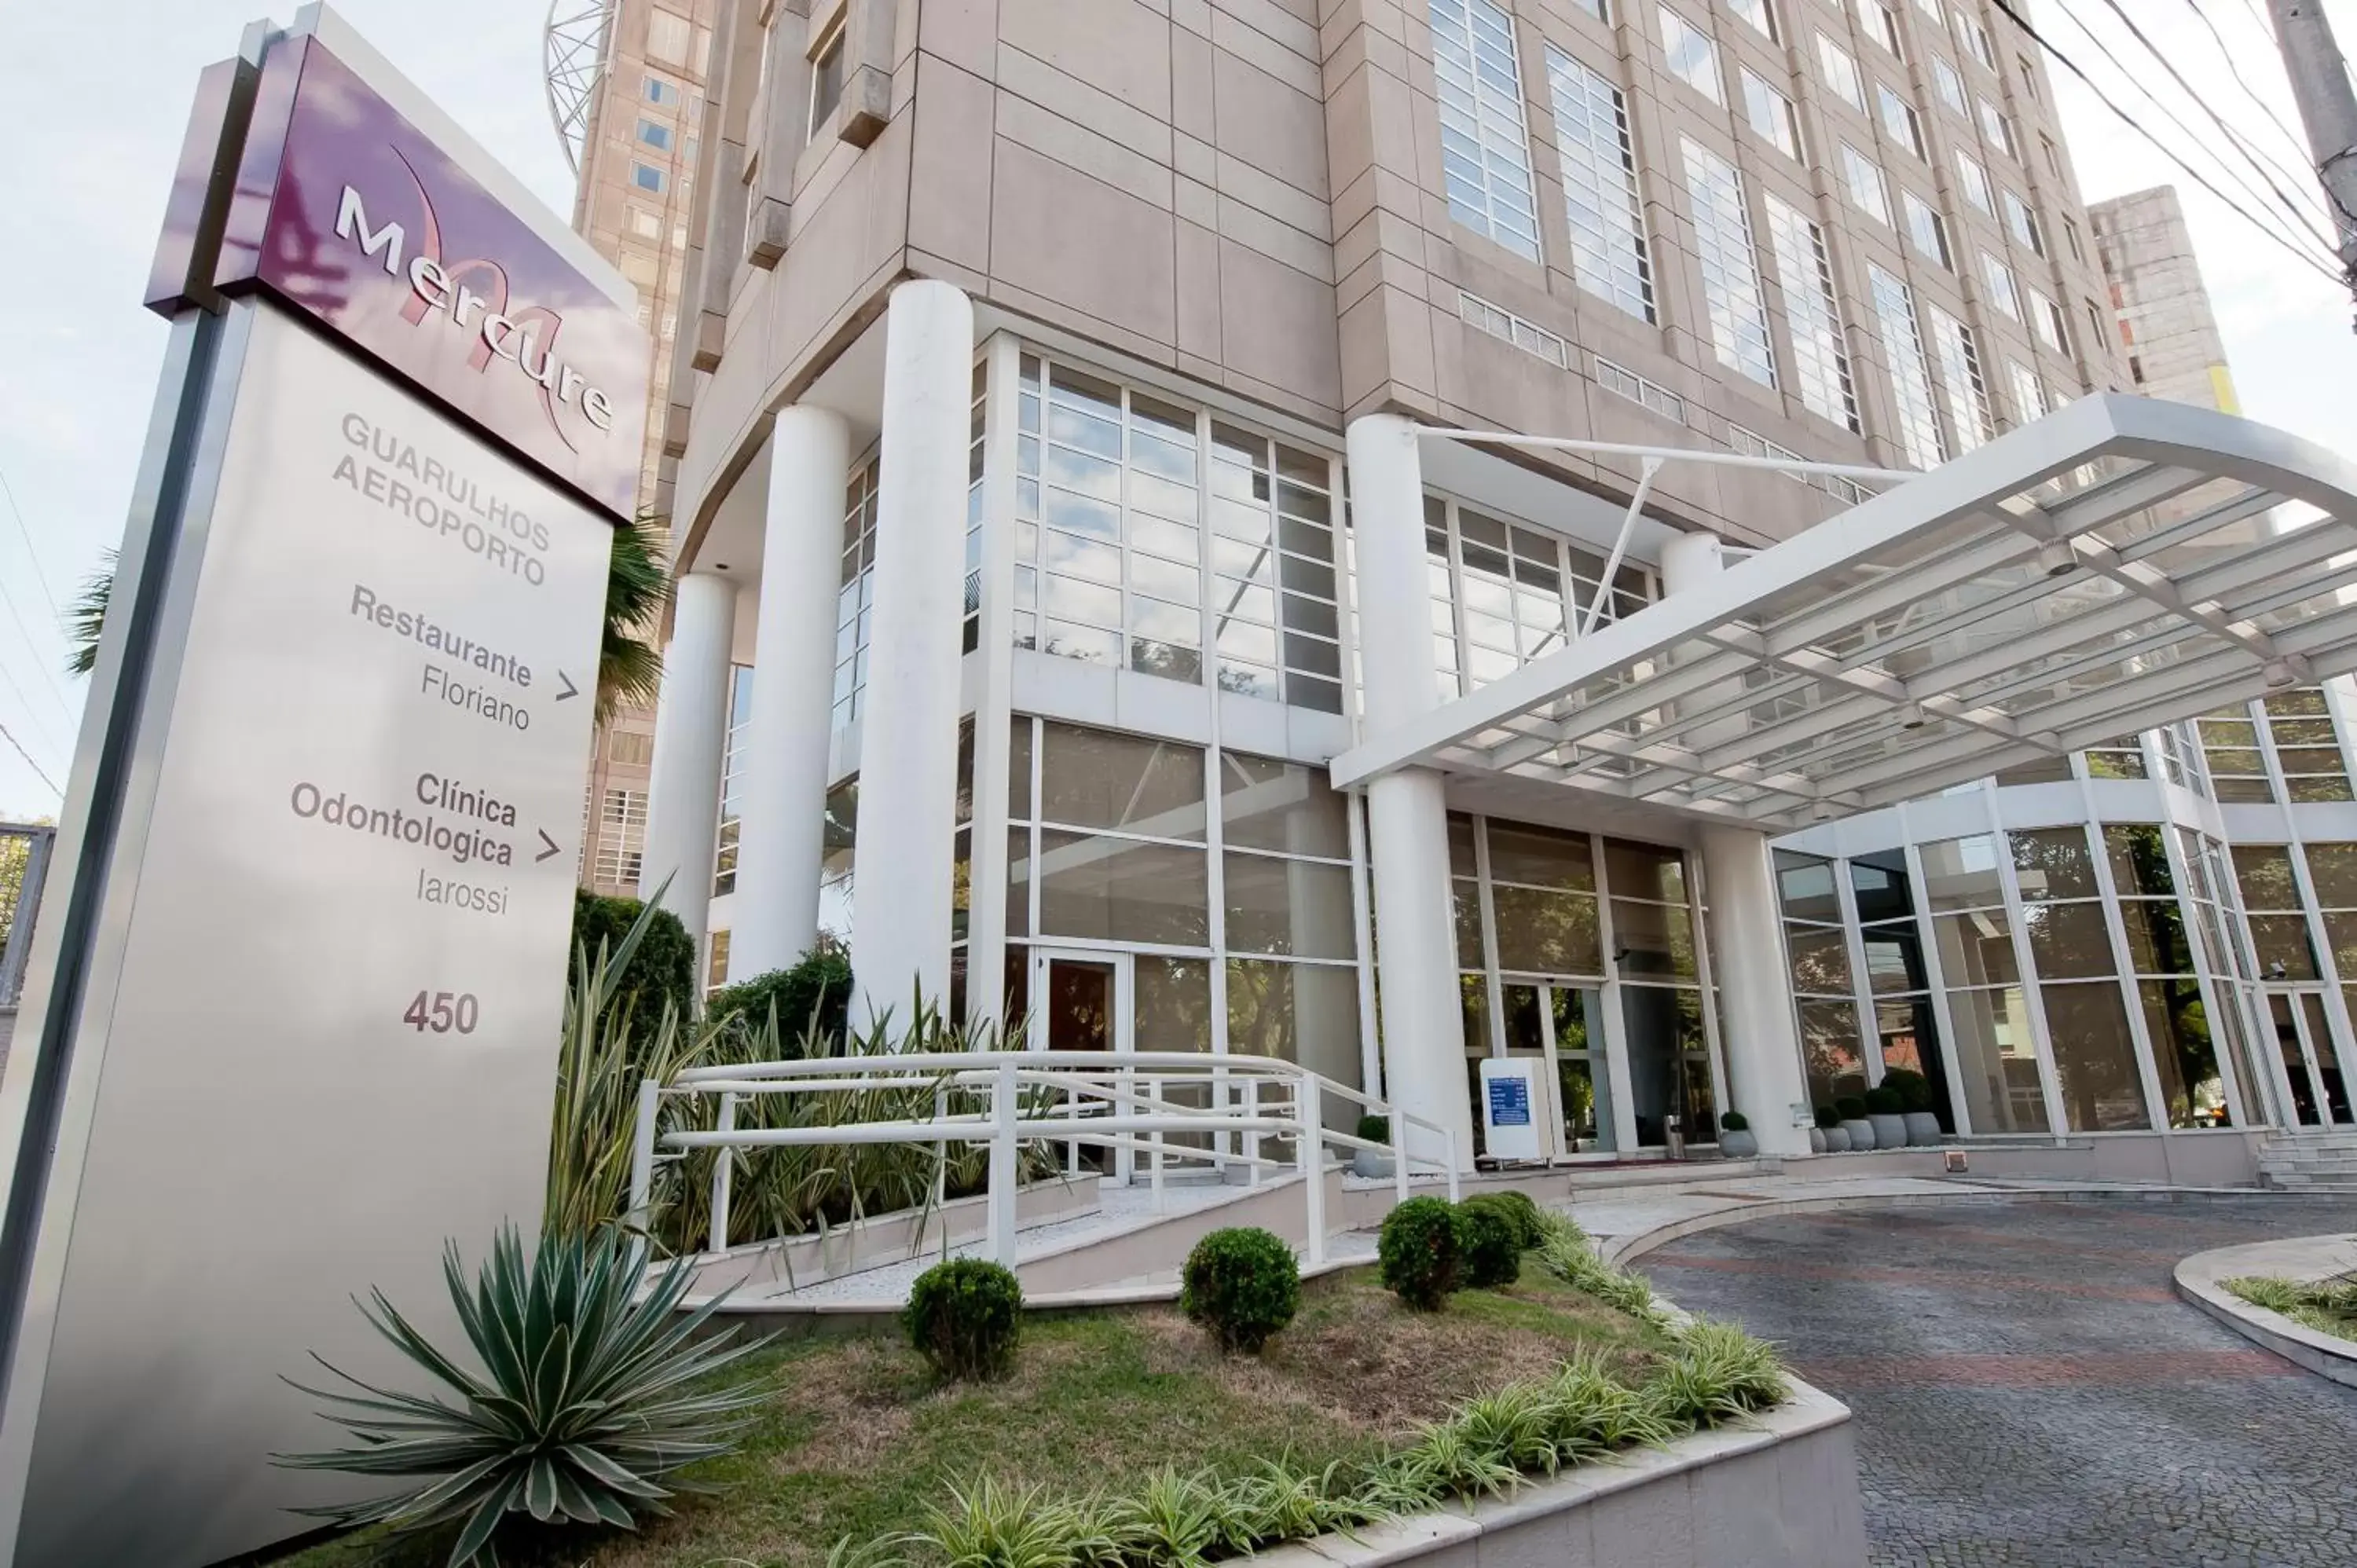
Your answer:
<point x="2307" y="1181"/>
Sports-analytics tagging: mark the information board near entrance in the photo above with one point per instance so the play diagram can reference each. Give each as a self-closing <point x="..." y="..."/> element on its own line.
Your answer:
<point x="298" y="1024"/>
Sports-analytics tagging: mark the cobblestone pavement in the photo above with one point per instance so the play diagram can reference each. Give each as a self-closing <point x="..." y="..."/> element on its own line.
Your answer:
<point x="2030" y="1390"/>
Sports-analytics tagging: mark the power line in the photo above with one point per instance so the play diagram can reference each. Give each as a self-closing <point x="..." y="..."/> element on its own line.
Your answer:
<point x="9" y="602"/>
<point x="41" y="731"/>
<point x="36" y="767"/>
<point x="2297" y="143"/>
<point x="2015" y="16"/>
<point x="2305" y="215"/>
<point x="34" y="555"/>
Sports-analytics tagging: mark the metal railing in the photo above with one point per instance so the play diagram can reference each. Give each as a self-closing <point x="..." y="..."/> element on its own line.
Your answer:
<point x="1167" y="1111"/>
<point x="24" y="868"/>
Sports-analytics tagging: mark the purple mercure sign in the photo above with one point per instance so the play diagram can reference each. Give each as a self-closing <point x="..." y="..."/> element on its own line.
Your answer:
<point x="350" y="214"/>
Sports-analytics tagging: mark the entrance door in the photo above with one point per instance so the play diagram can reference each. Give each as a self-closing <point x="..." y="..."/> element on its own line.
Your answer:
<point x="1559" y="1029"/>
<point x="1669" y="1063"/>
<point x="2320" y="1091"/>
<point x="1080" y="1001"/>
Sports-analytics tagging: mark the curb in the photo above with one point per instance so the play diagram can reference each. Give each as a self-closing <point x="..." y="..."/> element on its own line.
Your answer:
<point x="2198" y="1278"/>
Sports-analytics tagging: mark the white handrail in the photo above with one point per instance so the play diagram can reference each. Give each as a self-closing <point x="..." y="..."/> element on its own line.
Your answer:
<point x="1075" y="1098"/>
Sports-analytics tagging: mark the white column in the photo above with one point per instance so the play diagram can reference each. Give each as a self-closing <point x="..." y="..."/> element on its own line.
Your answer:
<point x="781" y="827"/>
<point x="691" y="745"/>
<point x="1746" y="949"/>
<point x="1407" y="814"/>
<point x="1758" y="1036"/>
<point x="903" y="875"/>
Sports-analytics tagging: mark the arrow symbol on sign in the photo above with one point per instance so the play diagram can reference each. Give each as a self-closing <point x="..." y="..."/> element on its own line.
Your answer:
<point x="570" y="689"/>
<point x="551" y="842"/>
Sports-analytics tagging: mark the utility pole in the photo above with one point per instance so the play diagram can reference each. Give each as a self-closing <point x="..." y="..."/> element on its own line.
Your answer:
<point x="2327" y="108"/>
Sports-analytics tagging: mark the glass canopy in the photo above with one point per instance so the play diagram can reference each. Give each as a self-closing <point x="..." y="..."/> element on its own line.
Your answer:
<point x="2119" y="564"/>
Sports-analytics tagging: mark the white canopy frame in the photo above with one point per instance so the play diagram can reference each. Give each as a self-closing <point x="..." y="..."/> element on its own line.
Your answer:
<point x="2116" y="565"/>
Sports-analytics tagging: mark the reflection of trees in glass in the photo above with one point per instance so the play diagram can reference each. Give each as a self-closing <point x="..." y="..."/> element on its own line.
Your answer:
<point x="2052" y="863"/>
<point x="2190" y="1085"/>
<point x="2094" y="1058"/>
<point x="2264" y="873"/>
<point x="2139" y="858"/>
<point x="1544" y="932"/>
<point x="1829" y="1050"/>
<point x="1820" y="959"/>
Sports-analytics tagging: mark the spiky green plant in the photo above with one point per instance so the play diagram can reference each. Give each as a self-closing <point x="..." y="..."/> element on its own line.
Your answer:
<point x="583" y="1414"/>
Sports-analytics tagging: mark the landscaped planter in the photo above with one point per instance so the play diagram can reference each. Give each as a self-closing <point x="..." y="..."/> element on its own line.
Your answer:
<point x="1373" y="1167"/>
<point x="1816" y="1140"/>
<point x="1861" y="1132"/>
<point x="1780" y="1491"/>
<point x="1922" y="1129"/>
<point x="1837" y="1139"/>
<point x="1890" y="1130"/>
<point x="1739" y="1146"/>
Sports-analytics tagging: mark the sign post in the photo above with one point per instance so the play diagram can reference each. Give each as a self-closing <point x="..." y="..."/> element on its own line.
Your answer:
<point x="296" y="1023"/>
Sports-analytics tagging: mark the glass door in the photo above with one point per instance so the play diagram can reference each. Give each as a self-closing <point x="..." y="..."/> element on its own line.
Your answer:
<point x="2311" y="1064"/>
<point x="1583" y="1078"/>
<point x="1080" y="1001"/>
<point x="1669" y="1063"/>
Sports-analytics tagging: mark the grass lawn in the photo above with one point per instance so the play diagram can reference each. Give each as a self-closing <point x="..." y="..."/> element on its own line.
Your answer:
<point x="860" y="1439"/>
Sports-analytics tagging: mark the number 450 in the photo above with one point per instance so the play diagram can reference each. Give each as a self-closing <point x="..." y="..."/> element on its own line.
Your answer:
<point x="442" y="1013"/>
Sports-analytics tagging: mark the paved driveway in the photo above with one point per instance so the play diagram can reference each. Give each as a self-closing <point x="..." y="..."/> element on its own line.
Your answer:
<point x="2029" y="1391"/>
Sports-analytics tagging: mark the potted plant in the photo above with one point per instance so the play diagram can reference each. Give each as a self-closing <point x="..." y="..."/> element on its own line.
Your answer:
<point x="1854" y="1123"/>
<point x="1735" y="1139"/>
<point x="1887" y="1112"/>
<point x="1369" y="1163"/>
<point x="1914" y="1091"/>
<point x="1827" y="1137"/>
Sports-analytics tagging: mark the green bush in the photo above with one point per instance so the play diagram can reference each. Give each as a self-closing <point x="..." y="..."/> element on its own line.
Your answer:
<point x="811" y="998"/>
<point x="1519" y="1210"/>
<point x="1422" y="1251"/>
<point x="1851" y="1107"/>
<point x="663" y="968"/>
<point x="1494" y="1241"/>
<point x="965" y="1316"/>
<point x="1828" y="1117"/>
<point x="1375" y="1129"/>
<point x="1884" y="1102"/>
<point x="1734" y="1121"/>
<point x="1241" y="1284"/>
<point x="1913" y="1089"/>
<point x="591" y="1396"/>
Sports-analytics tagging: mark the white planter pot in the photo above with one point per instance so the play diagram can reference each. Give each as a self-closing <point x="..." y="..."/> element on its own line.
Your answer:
<point x="1837" y="1139"/>
<point x="1738" y="1145"/>
<point x="1371" y="1164"/>
<point x="1861" y="1133"/>
<point x="1816" y="1140"/>
<point x="1890" y="1130"/>
<point x="1922" y="1129"/>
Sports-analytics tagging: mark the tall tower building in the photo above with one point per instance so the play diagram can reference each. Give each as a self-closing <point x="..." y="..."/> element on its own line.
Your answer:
<point x="2166" y="326"/>
<point x="635" y="139"/>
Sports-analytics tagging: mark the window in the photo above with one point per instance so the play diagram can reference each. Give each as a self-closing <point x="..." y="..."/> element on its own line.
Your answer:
<point x="648" y="178"/>
<point x="2053" y="159"/>
<point x="1975" y="38"/>
<point x="1484" y="145"/>
<point x="1504" y="324"/>
<point x="1758" y="14"/>
<point x="645" y="224"/>
<point x="1951" y="82"/>
<point x="1730" y="268"/>
<point x="1976" y="181"/>
<point x="1999" y="130"/>
<point x="1274" y="616"/>
<point x="1911" y="375"/>
<point x="662" y="91"/>
<point x="2000" y="286"/>
<point x="2047" y="318"/>
<point x="1930" y="8"/>
<point x="1605" y="213"/>
<point x="1812" y="312"/>
<point x="2022" y="223"/>
<point x="1694" y="58"/>
<point x="657" y="136"/>
<point x="1881" y="25"/>
<point x="827" y="77"/>
<point x="621" y="836"/>
<point x="2028" y="397"/>
<point x="1623" y="382"/>
<point x="2071" y="235"/>
<point x="1927" y="228"/>
<point x="1898" y="119"/>
<point x="855" y="595"/>
<point x="1962" y="386"/>
<point x="1770" y="114"/>
<point x="1841" y="73"/>
<point x="2309" y="754"/>
<point x="1864" y="178"/>
<point x="2029" y="77"/>
<point x="1751" y="443"/>
<point x="631" y="748"/>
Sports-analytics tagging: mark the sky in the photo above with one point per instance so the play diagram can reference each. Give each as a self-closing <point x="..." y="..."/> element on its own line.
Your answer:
<point x="78" y="357"/>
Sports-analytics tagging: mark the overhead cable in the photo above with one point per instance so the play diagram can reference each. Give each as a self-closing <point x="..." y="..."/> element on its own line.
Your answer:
<point x="36" y="767"/>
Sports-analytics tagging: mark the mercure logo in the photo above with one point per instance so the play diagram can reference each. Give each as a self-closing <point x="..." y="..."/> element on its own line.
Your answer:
<point x="524" y="336"/>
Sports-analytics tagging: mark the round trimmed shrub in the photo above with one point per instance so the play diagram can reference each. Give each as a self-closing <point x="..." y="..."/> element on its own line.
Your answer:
<point x="1828" y="1117"/>
<point x="1735" y="1121"/>
<point x="1884" y="1103"/>
<point x="1518" y="1211"/>
<point x="1242" y="1285"/>
<point x="1375" y="1129"/>
<point x="1851" y="1107"/>
<point x="1422" y="1251"/>
<point x="1913" y="1089"/>
<point x="963" y="1316"/>
<point x="1493" y="1242"/>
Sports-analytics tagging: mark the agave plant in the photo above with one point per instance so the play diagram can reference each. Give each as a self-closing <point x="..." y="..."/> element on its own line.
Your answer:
<point x="584" y="1413"/>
